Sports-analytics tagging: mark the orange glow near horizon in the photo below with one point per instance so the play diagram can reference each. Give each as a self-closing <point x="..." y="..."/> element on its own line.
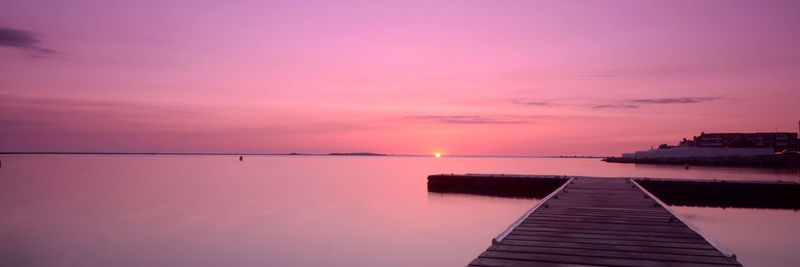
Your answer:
<point x="438" y="155"/>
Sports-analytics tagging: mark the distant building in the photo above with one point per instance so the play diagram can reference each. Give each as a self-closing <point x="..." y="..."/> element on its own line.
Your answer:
<point x="778" y="141"/>
<point x="725" y="145"/>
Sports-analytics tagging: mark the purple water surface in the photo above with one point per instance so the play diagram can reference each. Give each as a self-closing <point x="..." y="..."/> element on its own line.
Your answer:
<point x="129" y="210"/>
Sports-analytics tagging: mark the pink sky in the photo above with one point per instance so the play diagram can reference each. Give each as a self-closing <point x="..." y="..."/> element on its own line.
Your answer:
<point x="409" y="77"/>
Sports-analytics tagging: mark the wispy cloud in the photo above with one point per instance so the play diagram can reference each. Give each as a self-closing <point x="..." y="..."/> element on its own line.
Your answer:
<point x="614" y="104"/>
<point x="10" y="122"/>
<point x="56" y="114"/>
<point x="636" y="103"/>
<point x="533" y="103"/>
<point x="609" y="73"/>
<point x="679" y="100"/>
<point x="23" y="40"/>
<point x="466" y="119"/>
<point x="50" y="113"/>
<point x="611" y="106"/>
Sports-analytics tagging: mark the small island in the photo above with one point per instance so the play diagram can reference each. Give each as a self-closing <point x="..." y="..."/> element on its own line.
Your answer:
<point x="357" y="154"/>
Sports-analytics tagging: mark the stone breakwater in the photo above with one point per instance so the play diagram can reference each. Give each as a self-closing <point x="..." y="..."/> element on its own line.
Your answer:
<point x="750" y="161"/>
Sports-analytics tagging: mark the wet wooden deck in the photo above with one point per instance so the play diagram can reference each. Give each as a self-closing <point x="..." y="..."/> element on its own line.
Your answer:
<point x="602" y="222"/>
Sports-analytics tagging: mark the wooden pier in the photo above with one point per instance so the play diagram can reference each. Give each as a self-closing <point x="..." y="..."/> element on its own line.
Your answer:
<point x="602" y="222"/>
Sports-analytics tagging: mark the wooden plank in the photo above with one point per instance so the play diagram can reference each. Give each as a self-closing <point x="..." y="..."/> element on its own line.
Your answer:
<point x="624" y="190"/>
<point x="488" y="262"/>
<point x="605" y="214"/>
<point x="613" y="237"/>
<point x="579" y="259"/>
<point x="555" y="212"/>
<point x="609" y="204"/>
<point x="590" y="208"/>
<point x="604" y="231"/>
<point x="595" y="201"/>
<point x="605" y="220"/>
<point x="551" y="214"/>
<point x="614" y="254"/>
<point x="588" y="225"/>
<point x="590" y="219"/>
<point x="610" y="247"/>
<point x="556" y="209"/>
<point x="610" y="241"/>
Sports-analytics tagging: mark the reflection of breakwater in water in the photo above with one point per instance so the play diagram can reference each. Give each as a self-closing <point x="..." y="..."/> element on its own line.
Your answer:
<point x="680" y="192"/>
<point x="725" y="194"/>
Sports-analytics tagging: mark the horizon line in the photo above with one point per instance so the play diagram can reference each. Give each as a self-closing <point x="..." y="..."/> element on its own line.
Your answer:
<point x="347" y="154"/>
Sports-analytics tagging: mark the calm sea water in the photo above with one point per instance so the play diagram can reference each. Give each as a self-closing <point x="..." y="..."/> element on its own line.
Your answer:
<point x="87" y="210"/>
